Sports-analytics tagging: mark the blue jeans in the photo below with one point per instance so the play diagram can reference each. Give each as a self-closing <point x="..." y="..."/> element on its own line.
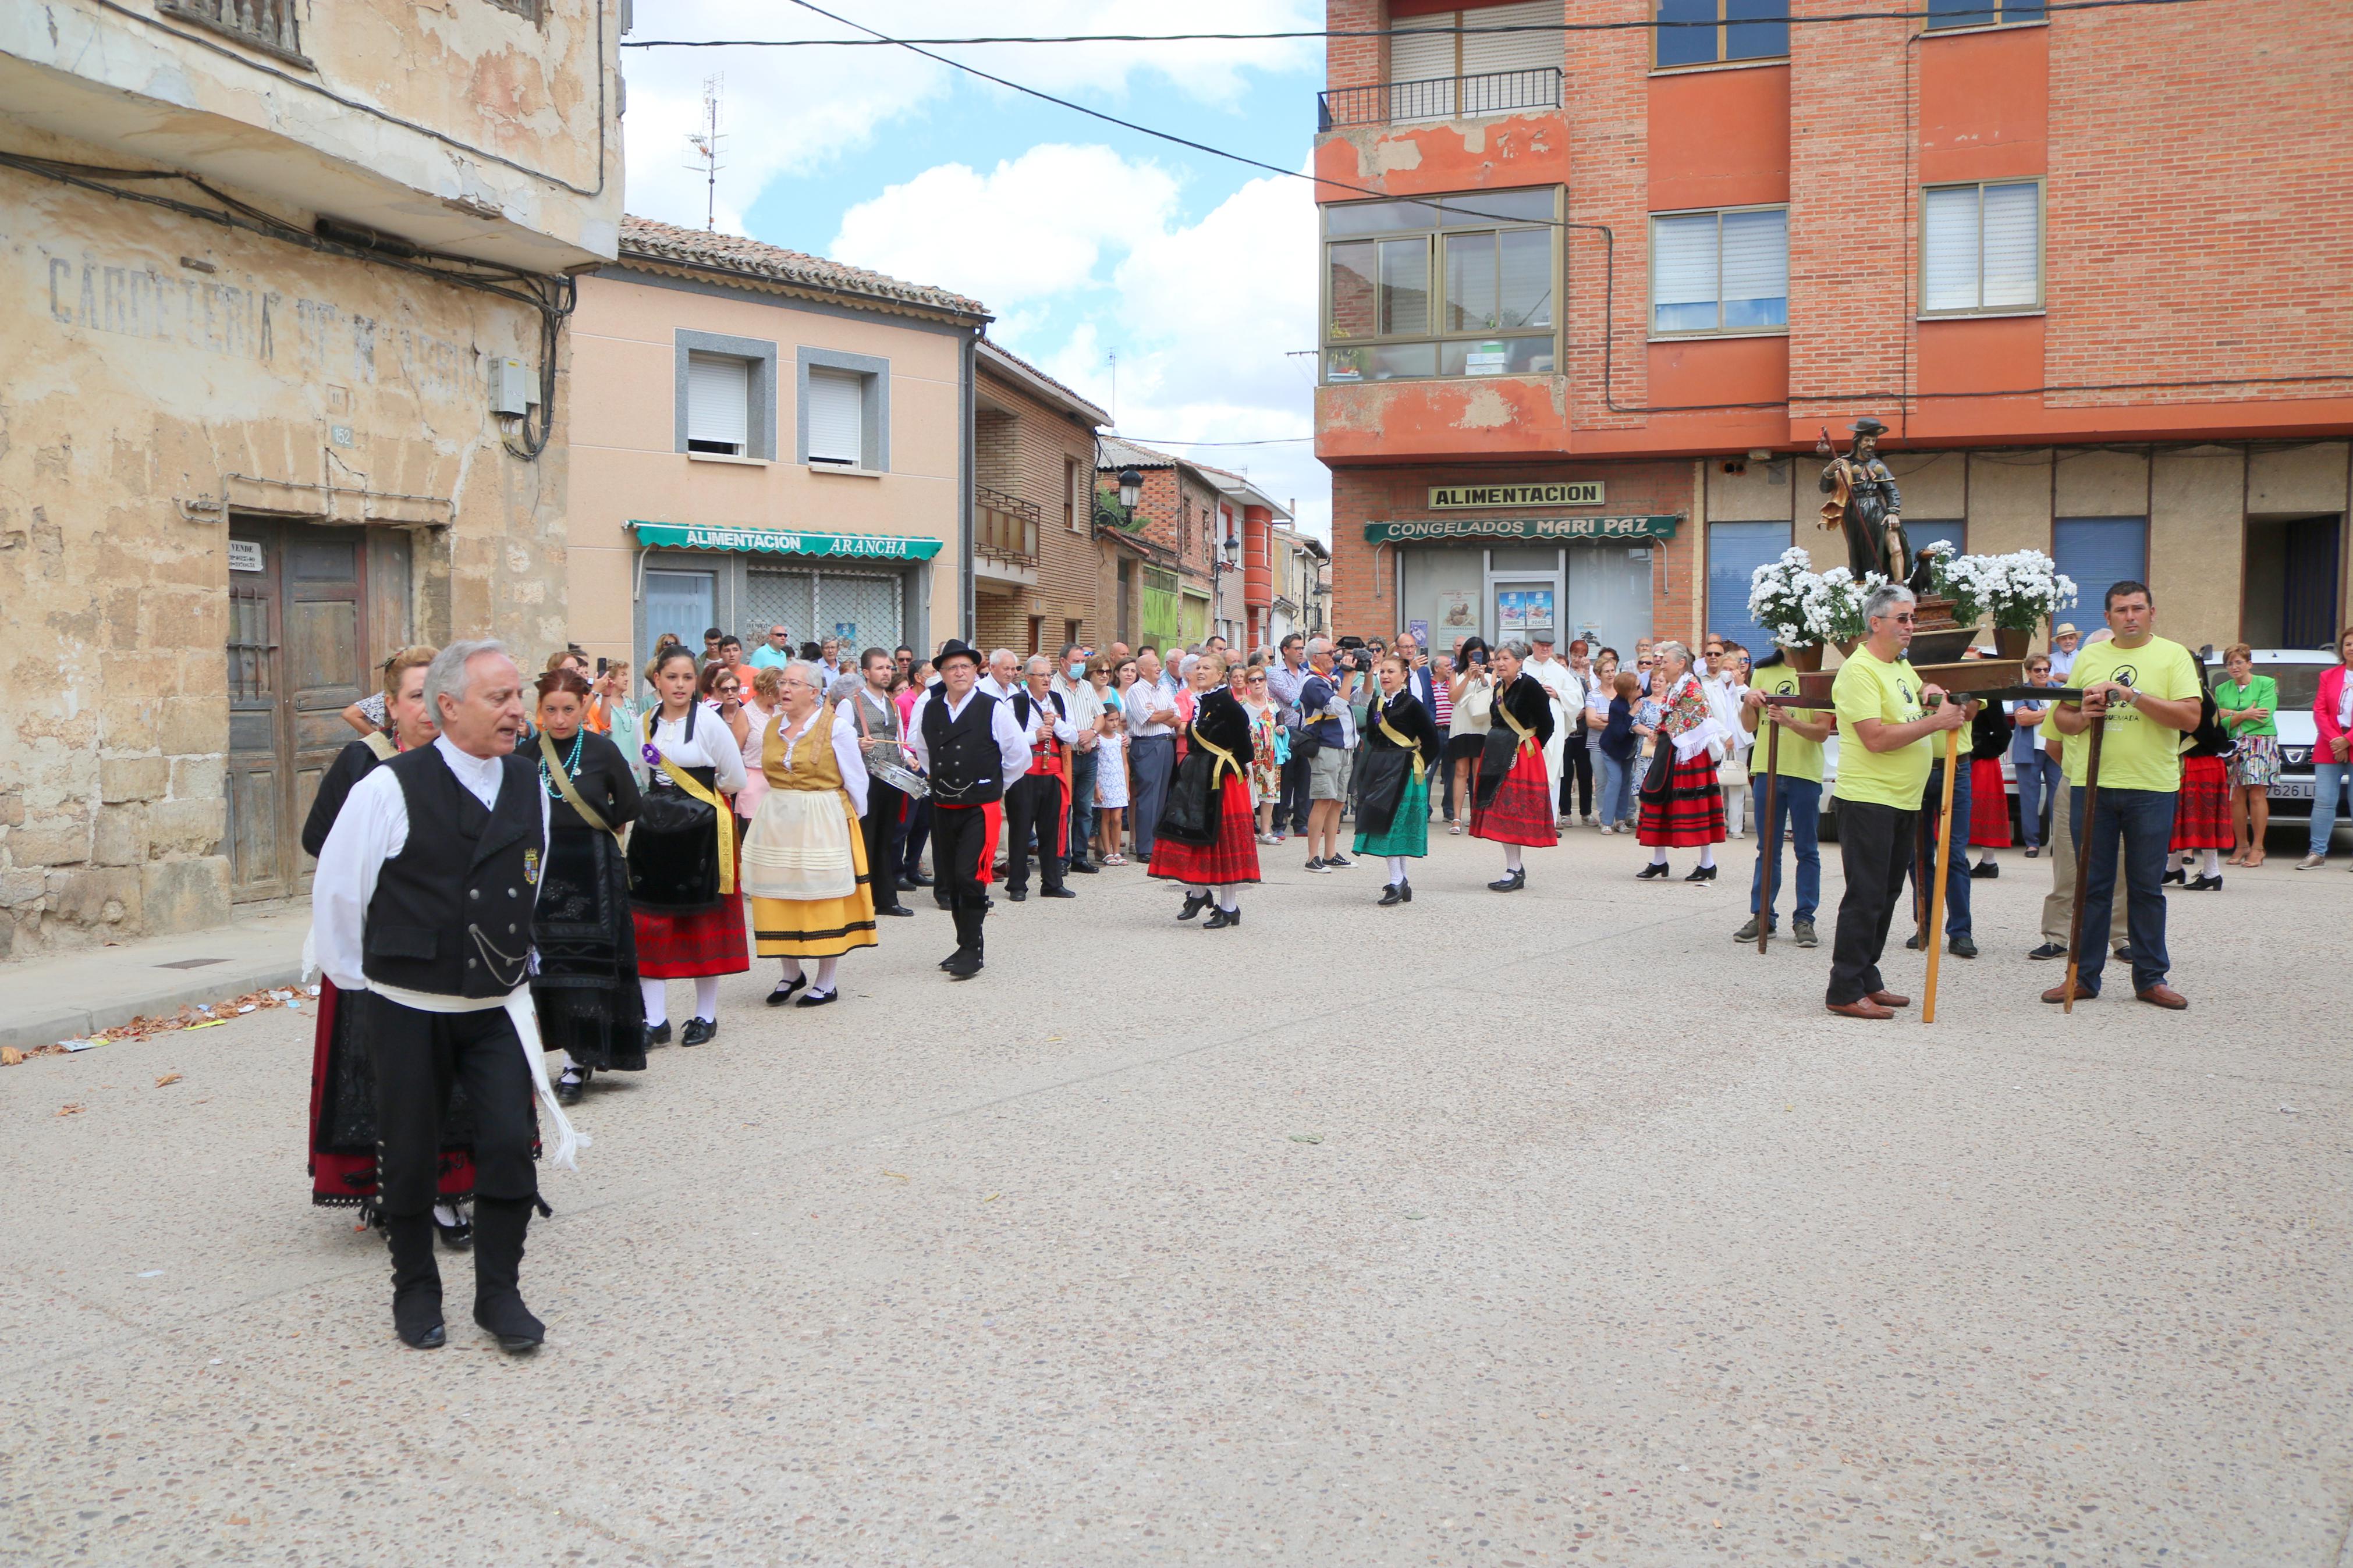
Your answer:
<point x="1617" y="784"/>
<point x="2327" y="784"/>
<point x="2038" y="777"/>
<point x="2141" y="821"/>
<point x="1082" y="804"/>
<point x="1956" y="874"/>
<point x="1798" y="803"/>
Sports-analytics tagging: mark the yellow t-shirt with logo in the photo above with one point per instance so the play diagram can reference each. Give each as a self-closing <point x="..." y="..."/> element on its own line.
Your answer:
<point x="2136" y="752"/>
<point x="1798" y="758"/>
<point x="1869" y="688"/>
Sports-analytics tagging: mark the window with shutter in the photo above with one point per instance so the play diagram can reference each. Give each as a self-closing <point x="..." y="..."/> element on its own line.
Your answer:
<point x="1684" y="277"/>
<point x="1501" y="51"/>
<point x="1422" y="68"/>
<point x="1720" y="272"/>
<point x="837" y="417"/>
<point x="718" y="405"/>
<point x="1982" y="248"/>
<point x="1756" y="270"/>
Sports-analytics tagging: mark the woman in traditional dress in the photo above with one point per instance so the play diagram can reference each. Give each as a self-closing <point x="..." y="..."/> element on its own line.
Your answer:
<point x="1205" y="838"/>
<point x="2201" y="812"/>
<point x="343" y="1072"/>
<point x="586" y="987"/>
<point x="689" y="916"/>
<point x="1401" y="745"/>
<point x="1989" y="736"/>
<point x="1681" y="803"/>
<point x="805" y="863"/>
<point x="1513" y="804"/>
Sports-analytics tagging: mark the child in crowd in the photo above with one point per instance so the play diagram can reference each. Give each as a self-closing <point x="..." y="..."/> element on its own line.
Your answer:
<point x="1110" y="786"/>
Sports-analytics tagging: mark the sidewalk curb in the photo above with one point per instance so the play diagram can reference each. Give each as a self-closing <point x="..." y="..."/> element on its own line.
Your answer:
<point x="81" y="991"/>
<point x="214" y="983"/>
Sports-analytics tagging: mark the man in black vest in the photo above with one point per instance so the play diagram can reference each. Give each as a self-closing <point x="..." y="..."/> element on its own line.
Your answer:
<point x="1037" y="799"/>
<point x="969" y="745"/>
<point x="421" y="913"/>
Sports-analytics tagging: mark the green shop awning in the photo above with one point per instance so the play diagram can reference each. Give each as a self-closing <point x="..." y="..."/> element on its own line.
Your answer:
<point x="776" y="540"/>
<point x="1438" y="529"/>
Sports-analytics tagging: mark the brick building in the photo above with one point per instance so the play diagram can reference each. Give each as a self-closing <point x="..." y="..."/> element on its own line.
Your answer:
<point x="1037" y="567"/>
<point x="1577" y="379"/>
<point x="1159" y="557"/>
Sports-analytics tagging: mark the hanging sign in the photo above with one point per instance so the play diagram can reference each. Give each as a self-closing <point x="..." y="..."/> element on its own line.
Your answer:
<point x="245" y="555"/>
<point x="861" y="546"/>
<point x="1431" y="529"/>
<point x="1572" y="492"/>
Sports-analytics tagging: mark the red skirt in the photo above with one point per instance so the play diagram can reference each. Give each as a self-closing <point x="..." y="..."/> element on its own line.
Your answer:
<point x="344" y="1178"/>
<point x="690" y="946"/>
<point x="1232" y="858"/>
<point x="1989" y="805"/>
<point x="1690" y="813"/>
<point x="2201" y="812"/>
<point x="1523" y="810"/>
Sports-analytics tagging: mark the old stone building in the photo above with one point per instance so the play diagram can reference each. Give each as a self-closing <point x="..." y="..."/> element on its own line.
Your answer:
<point x="284" y="391"/>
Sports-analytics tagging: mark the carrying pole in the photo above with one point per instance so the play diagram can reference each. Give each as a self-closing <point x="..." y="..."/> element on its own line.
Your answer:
<point x="1932" y="938"/>
<point x="2083" y="856"/>
<point x="1766" y="844"/>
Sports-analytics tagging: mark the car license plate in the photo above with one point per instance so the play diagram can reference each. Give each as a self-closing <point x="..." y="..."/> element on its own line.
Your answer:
<point x="2292" y="789"/>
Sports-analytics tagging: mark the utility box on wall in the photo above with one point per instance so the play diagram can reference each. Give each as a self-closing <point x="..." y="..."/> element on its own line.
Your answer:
<point x="511" y="390"/>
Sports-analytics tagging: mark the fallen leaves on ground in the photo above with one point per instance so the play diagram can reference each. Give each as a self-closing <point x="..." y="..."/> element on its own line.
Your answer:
<point x="70" y="1109"/>
<point x="167" y="1077"/>
<point x="191" y="1015"/>
<point x="10" y="1056"/>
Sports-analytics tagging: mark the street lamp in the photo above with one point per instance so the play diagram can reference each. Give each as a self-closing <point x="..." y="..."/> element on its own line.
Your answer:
<point x="1222" y="559"/>
<point x="1131" y="490"/>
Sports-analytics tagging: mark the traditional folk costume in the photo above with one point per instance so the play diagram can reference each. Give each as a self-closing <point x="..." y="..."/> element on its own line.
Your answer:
<point x="2201" y="810"/>
<point x="1207" y="836"/>
<point x="805" y="861"/>
<point x="1040" y="798"/>
<point x="973" y="752"/>
<point x="1989" y="737"/>
<point x="689" y="917"/>
<point x="1401" y="745"/>
<point x="883" y="819"/>
<point x="421" y="911"/>
<point x="590" y="1007"/>
<point x="1682" y="800"/>
<point x="1513" y="804"/>
<point x="342" y="1073"/>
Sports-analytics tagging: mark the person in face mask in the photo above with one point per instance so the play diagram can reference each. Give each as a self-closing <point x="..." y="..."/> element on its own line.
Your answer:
<point x="1086" y="706"/>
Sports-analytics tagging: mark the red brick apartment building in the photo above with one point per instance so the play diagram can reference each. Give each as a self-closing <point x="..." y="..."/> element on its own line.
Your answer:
<point x="1589" y="296"/>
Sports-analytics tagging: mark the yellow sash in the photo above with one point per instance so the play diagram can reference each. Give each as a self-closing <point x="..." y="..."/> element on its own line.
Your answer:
<point x="588" y="814"/>
<point x="382" y="746"/>
<point x="1527" y="736"/>
<point x="1406" y="745"/>
<point x="1226" y="762"/>
<point x="693" y="786"/>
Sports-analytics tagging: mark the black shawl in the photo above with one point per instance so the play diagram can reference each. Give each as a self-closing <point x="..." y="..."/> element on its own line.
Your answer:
<point x="1194" y="809"/>
<point x="1383" y="766"/>
<point x="353" y="763"/>
<point x="1526" y="700"/>
<point x="603" y="781"/>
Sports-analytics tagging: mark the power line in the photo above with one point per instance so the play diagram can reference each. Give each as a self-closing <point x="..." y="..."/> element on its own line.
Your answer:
<point x="1652" y="25"/>
<point x="1171" y="441"/>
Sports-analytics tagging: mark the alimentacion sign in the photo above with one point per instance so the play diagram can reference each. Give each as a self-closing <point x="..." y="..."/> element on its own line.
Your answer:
<point x="1430" y="529"/>
<point x="1572" y="492"/>
<point x="857" y="546"/>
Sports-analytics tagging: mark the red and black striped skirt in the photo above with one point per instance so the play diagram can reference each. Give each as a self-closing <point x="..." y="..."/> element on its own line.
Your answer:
<point x="1233" y="858"/>
<point x="1989" y="805"/>
<point x="672" y="946"/>
<point x="1690" y="812"/>
<point x="1523" y="810"/>
<point x="2201" y="812"/>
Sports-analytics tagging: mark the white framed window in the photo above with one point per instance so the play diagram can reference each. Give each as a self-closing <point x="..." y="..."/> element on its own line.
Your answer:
<point x="1720" y="272"/>
<point x="718" y="405"/>
<point x="1981" y="248"/>
<point x="843" y="418"/>
<point x="836" y="418"/>
<point x="1442" y="285"/>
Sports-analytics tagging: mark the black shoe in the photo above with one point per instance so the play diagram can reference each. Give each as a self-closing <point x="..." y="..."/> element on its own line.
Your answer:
<point x="1655" y="869"/>
<point x="779" y="998"/>
<point x="895" y="909"/>
<point x="567" y="1092"/>
<point x="1336" y="861"/>
<point x="1018" y="895"/>
<point x="1702" y="874"/>
<point x="1962" y="947"/>
<point x="2049" y="950"/>
<point x="942" y="901"/>
<point x="915" y="879"/>
<point x="2034" y="852"/>
<point x="1396" y="893"/>
<point x="962" y="964"/>
<point x="2123" y="952"/>
<point x="1315" y="863"/>
<point x="2176" y="874"/>
<point x="698" y="1031"/>
<point x="1985" y="869"/>
<point x="1911" y="942"/>
<point x="1194" y="904"/>
<point x="818" y="998"/>
<point x="657" y="1034"/>
<point x="1057" y="893"/>
<point x="1510" y="881"/>
<point x="1220" y="918"/>
<point x="498" y="1267"/>
<point x="458" y="1235"/>
<point x="1084" y="868"/>
<point x="415" y="1281"/>
<point x="2204" y="884"/>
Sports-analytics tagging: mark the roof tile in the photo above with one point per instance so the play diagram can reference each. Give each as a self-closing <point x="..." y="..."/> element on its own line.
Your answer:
<point x="647" y="240"/>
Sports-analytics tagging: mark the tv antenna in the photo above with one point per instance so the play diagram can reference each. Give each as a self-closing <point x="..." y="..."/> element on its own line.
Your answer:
<point x="1113" y="357"/>
<point x="705" y="144"/>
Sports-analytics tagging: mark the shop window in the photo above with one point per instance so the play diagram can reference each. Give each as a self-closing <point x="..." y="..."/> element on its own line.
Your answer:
<point x="2097" y="552"/>
<point x="1981" y="248"/>
<point x="1734" y="550"/>
<point x="1451" y="286"/>
<point x="1720" y="272"/>
<point x="1706" y="32"/>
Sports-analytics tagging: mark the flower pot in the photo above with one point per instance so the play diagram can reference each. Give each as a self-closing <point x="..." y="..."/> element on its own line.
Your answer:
<point x="2011" y="642"/>
<point x="1804" y="657"/>
<point x="1846" y="646"/>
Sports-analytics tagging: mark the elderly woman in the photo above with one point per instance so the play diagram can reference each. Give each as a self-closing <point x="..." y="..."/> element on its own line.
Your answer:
<point x="805" y="862"/>
<point x="1681" y="803"/>
<point x="690" y="917"/>
<point x="1401" y="745"/>
<point x="1205" y="839"/>
<point x="1513" y="804"/>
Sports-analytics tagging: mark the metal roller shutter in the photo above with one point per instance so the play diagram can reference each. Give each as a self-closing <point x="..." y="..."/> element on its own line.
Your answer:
<point x="718" y="400"/>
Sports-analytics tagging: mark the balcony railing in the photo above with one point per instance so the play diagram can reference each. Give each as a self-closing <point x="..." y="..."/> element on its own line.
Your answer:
<point x="1439" y="98"/>
<point x="1004" y="527"/>
<point x="265" y="25"/>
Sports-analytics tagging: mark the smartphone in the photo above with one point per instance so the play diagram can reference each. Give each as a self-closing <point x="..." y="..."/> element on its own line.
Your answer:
<point x="601" y="662"/>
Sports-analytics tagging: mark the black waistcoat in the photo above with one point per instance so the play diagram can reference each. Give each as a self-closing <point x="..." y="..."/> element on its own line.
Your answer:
<point x="968" y="769"/>
<point x="452" y="912"/>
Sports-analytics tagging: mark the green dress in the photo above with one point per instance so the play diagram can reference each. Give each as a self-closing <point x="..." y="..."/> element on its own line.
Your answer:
<point x="1391" y="728"/>
<point x="1408" y="832"/>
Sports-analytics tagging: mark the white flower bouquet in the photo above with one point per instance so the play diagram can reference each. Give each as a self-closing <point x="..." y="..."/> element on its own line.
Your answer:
<point x="2016" y="591"/>
<point x="1834" y="602"/>
<point x="1777" y="598"/>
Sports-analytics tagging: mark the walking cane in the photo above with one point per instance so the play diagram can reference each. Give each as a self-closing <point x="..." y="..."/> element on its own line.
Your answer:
<point x="1937" y="889"/>
<point x="1767" y="844"/>
<point x="2083" y="856"/>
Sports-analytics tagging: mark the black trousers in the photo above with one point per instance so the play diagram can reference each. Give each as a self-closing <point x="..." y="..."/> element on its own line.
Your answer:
<point x="1876" y="850"/>
<point x="963" y="844"/>
<point x="880" y="824"/>
<point x="1291" y="805"/>
<point x="418" y="1057"/>
<point x="1034" y="803"/>
<point x="1576" y="776"/>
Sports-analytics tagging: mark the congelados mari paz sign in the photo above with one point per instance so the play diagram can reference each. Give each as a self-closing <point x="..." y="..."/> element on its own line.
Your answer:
<point x="1430" y="529"/>
<point x="1456" y="498"/>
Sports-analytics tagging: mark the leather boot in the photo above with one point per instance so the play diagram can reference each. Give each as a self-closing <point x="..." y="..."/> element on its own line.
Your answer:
<point x="499" y="1228"/>
<point x="415" y="1281"/>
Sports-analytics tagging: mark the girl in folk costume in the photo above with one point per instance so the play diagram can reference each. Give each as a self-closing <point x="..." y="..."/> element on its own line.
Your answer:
<point x="342" y="1071"/>
<point x="1989" y="735"/>
<point x="2201" y="812"/>
<point x="689" y="919"/>
<point x="586" y="987"/>
<point x="1401" y="745"/>
<point x="1514" y="803"/>
<point x="805" y="861"/>
<point x="1681" y="803"/>
<point x="1206" y="836"/>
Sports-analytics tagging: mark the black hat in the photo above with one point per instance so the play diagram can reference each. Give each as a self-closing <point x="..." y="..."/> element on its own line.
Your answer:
<point x="956" y="649"/>
<point x="1866" y="426"/>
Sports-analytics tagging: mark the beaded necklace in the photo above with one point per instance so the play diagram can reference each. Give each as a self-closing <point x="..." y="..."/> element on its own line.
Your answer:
<point x="571" y="768"/>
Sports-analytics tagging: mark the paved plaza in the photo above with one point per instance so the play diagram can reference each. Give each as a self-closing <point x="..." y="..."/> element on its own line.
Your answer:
<point x="1533" y="1229"/>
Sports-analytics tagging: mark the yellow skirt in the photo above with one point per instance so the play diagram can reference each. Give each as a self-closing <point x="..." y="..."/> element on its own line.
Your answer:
<point x="797" y="840"/>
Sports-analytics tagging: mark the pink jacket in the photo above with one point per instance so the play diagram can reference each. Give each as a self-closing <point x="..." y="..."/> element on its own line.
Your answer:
<point x="2325" y="704"/>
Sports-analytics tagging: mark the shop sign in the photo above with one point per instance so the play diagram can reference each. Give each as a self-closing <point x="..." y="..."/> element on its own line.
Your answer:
<point x="1438" y="529"/>
<point x="858" y="546"/>
<point x="1573" y="492"/>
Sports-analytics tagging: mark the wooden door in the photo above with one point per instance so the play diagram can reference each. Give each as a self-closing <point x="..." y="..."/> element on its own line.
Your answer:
<point x="256" y="782"/>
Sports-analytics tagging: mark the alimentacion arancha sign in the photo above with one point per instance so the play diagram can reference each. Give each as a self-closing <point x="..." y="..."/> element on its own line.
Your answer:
<point x="1458" y="498"/>
<point x="1425" y="530"/>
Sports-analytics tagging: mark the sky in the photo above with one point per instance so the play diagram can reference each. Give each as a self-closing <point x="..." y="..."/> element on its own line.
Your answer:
<point x="1085" y="240"/>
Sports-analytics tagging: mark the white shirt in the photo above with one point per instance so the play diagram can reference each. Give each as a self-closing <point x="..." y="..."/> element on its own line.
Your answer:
<point x="1002" y="693"/>
<point x="1561" y="684"/>
<point x="2063" y="663"/>
<point x="1065" y="731"/>
<point x="1145" y="698"/>
<point x="846" y="754"/>
<point x="713" y="747"/>
<point x="1086" y="708"/>
<point x="372" y="828"/>
<point x="1012" y="745"/>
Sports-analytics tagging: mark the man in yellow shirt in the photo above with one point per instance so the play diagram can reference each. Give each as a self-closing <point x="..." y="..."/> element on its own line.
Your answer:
<point x="2146" y="689"/>
<point x="1797" y="797"/>
<point x="1884" y="720"/>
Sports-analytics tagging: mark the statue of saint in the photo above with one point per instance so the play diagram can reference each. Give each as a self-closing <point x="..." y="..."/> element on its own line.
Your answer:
<point x="1863" y="504"/>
